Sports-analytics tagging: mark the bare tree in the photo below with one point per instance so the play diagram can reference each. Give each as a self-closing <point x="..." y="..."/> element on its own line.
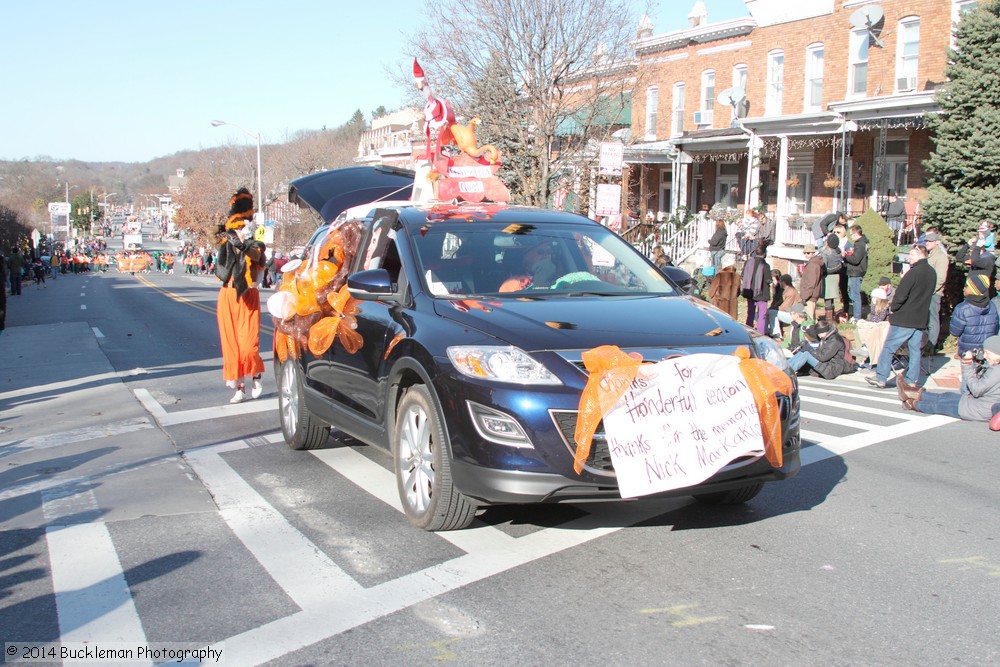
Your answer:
<point x="536" y="72"/>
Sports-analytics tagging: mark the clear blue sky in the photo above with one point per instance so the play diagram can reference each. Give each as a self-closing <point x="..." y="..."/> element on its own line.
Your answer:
<point x="131" y="80"/>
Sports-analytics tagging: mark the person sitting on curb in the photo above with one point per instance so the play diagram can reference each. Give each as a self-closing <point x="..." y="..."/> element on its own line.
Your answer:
<point x="975" y="319"/>
<point x="979" y="398"/>
<point x="801" y="323"/>
<point x="873" y="329"/>
<point x="827" y="358"/>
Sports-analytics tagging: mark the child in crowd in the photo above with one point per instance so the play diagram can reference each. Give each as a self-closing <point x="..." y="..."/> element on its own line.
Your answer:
<point x="873" y="329"/>
<point x="975" y="319"/>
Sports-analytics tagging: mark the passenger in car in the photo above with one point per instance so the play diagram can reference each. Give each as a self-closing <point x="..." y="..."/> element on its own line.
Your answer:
<point x="533" y="267"/>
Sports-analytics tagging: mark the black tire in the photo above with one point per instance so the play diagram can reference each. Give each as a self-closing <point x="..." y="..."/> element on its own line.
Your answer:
<point x="731" y="497"/>
<point x="300" y="428"/>
<point x="423" y="466"/>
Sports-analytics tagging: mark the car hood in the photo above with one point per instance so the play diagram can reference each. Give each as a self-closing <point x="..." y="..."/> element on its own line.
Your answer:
<point x="582" y="323"/>
<point x="331" y="192"/>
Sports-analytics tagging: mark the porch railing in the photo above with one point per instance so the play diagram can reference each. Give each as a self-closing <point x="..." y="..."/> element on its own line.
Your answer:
<point x="680" y="243"/>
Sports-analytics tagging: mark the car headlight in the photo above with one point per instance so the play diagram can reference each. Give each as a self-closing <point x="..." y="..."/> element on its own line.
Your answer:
<point x="769" y="350"/>
<point x="504" y="364"/>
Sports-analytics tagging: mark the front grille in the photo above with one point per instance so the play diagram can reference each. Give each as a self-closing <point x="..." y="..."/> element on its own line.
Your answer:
<point x="599" y="460"/>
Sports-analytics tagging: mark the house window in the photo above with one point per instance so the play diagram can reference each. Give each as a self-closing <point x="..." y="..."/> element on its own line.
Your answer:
<point x="707" y="98"/>
<point x="775" y="83"/>
<point x="740" y="77"/>
<point x="814" y="78"/>
<point x="677" y="124"/>
<point x="907" y="54"/>
<point x="859" y="63"/>
<point x="652" y="101"/>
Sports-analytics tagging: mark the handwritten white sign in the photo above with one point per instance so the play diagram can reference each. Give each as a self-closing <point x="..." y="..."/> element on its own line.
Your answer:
<point x="680" y="422"/>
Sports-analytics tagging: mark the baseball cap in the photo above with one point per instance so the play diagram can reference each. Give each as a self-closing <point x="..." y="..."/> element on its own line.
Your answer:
<point x="809" y="247"/>
<point x="985" y="226"/>
<point x="797" y="309"/>
<point x="879" y="293"/>
<point x="884" y="280"/>
<point x="931" y="236"/>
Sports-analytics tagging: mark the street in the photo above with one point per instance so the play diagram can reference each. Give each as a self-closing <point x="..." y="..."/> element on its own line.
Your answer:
<point x="137" y="505"/>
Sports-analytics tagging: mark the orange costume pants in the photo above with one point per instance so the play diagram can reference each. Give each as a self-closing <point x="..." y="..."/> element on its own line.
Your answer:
<point x="239" y="331"/>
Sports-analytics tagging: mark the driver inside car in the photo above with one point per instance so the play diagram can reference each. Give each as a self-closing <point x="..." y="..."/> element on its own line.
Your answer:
<point x="534" y="268"/>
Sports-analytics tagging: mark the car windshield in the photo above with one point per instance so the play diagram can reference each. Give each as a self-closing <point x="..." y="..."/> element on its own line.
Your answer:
<point x="499" y="259"/>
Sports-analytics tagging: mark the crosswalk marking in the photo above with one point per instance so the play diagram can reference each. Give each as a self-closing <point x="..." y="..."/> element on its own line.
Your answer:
<point x="895" y="414"/>
<point x="301" y="568"/>
<point x="93" y="600"/>
<point x="810" y="391"/>
<point x="331" y="601"/>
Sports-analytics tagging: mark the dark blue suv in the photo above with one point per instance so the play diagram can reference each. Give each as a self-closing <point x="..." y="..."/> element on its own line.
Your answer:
<point x="472" y="321"/>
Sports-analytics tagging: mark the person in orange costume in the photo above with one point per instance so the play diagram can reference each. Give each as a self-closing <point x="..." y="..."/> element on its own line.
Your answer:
<point x="241" y="259"/>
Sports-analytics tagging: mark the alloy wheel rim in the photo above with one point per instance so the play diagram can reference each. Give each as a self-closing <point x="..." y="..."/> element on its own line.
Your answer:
<point x="289" y="400"/>
<point x="416" y="459"/>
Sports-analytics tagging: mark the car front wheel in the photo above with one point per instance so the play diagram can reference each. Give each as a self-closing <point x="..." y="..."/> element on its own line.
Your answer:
<point x="423" y="467"/>
<point x="299" y="427"/>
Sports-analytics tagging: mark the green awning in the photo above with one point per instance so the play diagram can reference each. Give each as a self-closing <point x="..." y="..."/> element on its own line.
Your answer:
<point x="607" y="111"/>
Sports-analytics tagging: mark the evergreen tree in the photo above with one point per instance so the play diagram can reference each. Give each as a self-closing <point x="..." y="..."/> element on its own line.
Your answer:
<point x="965" y="165"/>
<point x="881" y="248"/>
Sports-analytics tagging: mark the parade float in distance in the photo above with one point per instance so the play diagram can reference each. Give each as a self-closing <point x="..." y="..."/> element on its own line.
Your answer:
<point x="508" y="354"/>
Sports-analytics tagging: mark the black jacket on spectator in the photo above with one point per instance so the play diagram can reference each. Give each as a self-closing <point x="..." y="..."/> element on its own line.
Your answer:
<point x="980" y="261"/>
<point x="911" y="302"/>
<point x="830" y="355"/>
<point x="857" y="259"/>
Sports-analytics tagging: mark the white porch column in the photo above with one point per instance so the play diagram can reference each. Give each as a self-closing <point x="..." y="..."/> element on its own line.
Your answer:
<point x="751" y="198"/>
<point x="781" y="207"/>
<point x="679" y="193"/>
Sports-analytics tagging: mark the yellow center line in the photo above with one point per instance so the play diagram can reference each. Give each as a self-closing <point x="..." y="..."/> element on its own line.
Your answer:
<point x="265" y="328"/>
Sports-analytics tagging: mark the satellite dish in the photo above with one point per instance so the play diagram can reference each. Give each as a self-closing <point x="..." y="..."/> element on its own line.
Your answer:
<point x="730" y="97"/>
<point x="735" y="97"/>
<point x="870" y="18"/>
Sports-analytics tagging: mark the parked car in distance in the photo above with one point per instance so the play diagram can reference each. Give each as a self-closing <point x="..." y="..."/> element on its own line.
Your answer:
<point x="473" y="319"/>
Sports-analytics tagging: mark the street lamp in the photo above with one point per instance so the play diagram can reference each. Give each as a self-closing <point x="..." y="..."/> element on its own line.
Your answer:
<point x="260" y="189"/>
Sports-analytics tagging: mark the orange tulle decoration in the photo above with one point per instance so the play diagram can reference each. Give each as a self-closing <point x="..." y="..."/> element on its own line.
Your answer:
<point x="322" y="333"/>
<point x="611" y="373"/>
<point x="764" y="380"/>
<point x="281" y="345"/>
<point x="324" y="311"/>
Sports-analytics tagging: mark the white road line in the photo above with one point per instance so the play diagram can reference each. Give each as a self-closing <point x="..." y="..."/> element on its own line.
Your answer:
<point x="97" y="332"/>
<point x="840" y="446"/>
<point x="165" y="418"/>
<point x="82" y="294"/>
<point x="93" y="602"/>
<point x="57" y="386"/>
<point x="881" y="398"/>
<point x="895" y="414"/>
<point x="381" y="483"/>
<point x="839" y="421"/>
<point x="301" y="568"/>
<point x="83" y="306"/>
<point x="76" y="435"/>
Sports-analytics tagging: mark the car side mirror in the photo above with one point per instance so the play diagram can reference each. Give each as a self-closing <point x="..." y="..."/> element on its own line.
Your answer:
<point x="372" y="285"/>
<point x="679" y="277"/>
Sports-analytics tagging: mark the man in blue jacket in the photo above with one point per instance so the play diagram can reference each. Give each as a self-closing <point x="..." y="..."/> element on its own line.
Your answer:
<point x="910" y="309"/>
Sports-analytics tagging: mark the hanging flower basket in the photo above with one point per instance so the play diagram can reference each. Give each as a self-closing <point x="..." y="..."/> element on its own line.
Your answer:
<point x="831" y="181"/>
<point x="792" y="181"/>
